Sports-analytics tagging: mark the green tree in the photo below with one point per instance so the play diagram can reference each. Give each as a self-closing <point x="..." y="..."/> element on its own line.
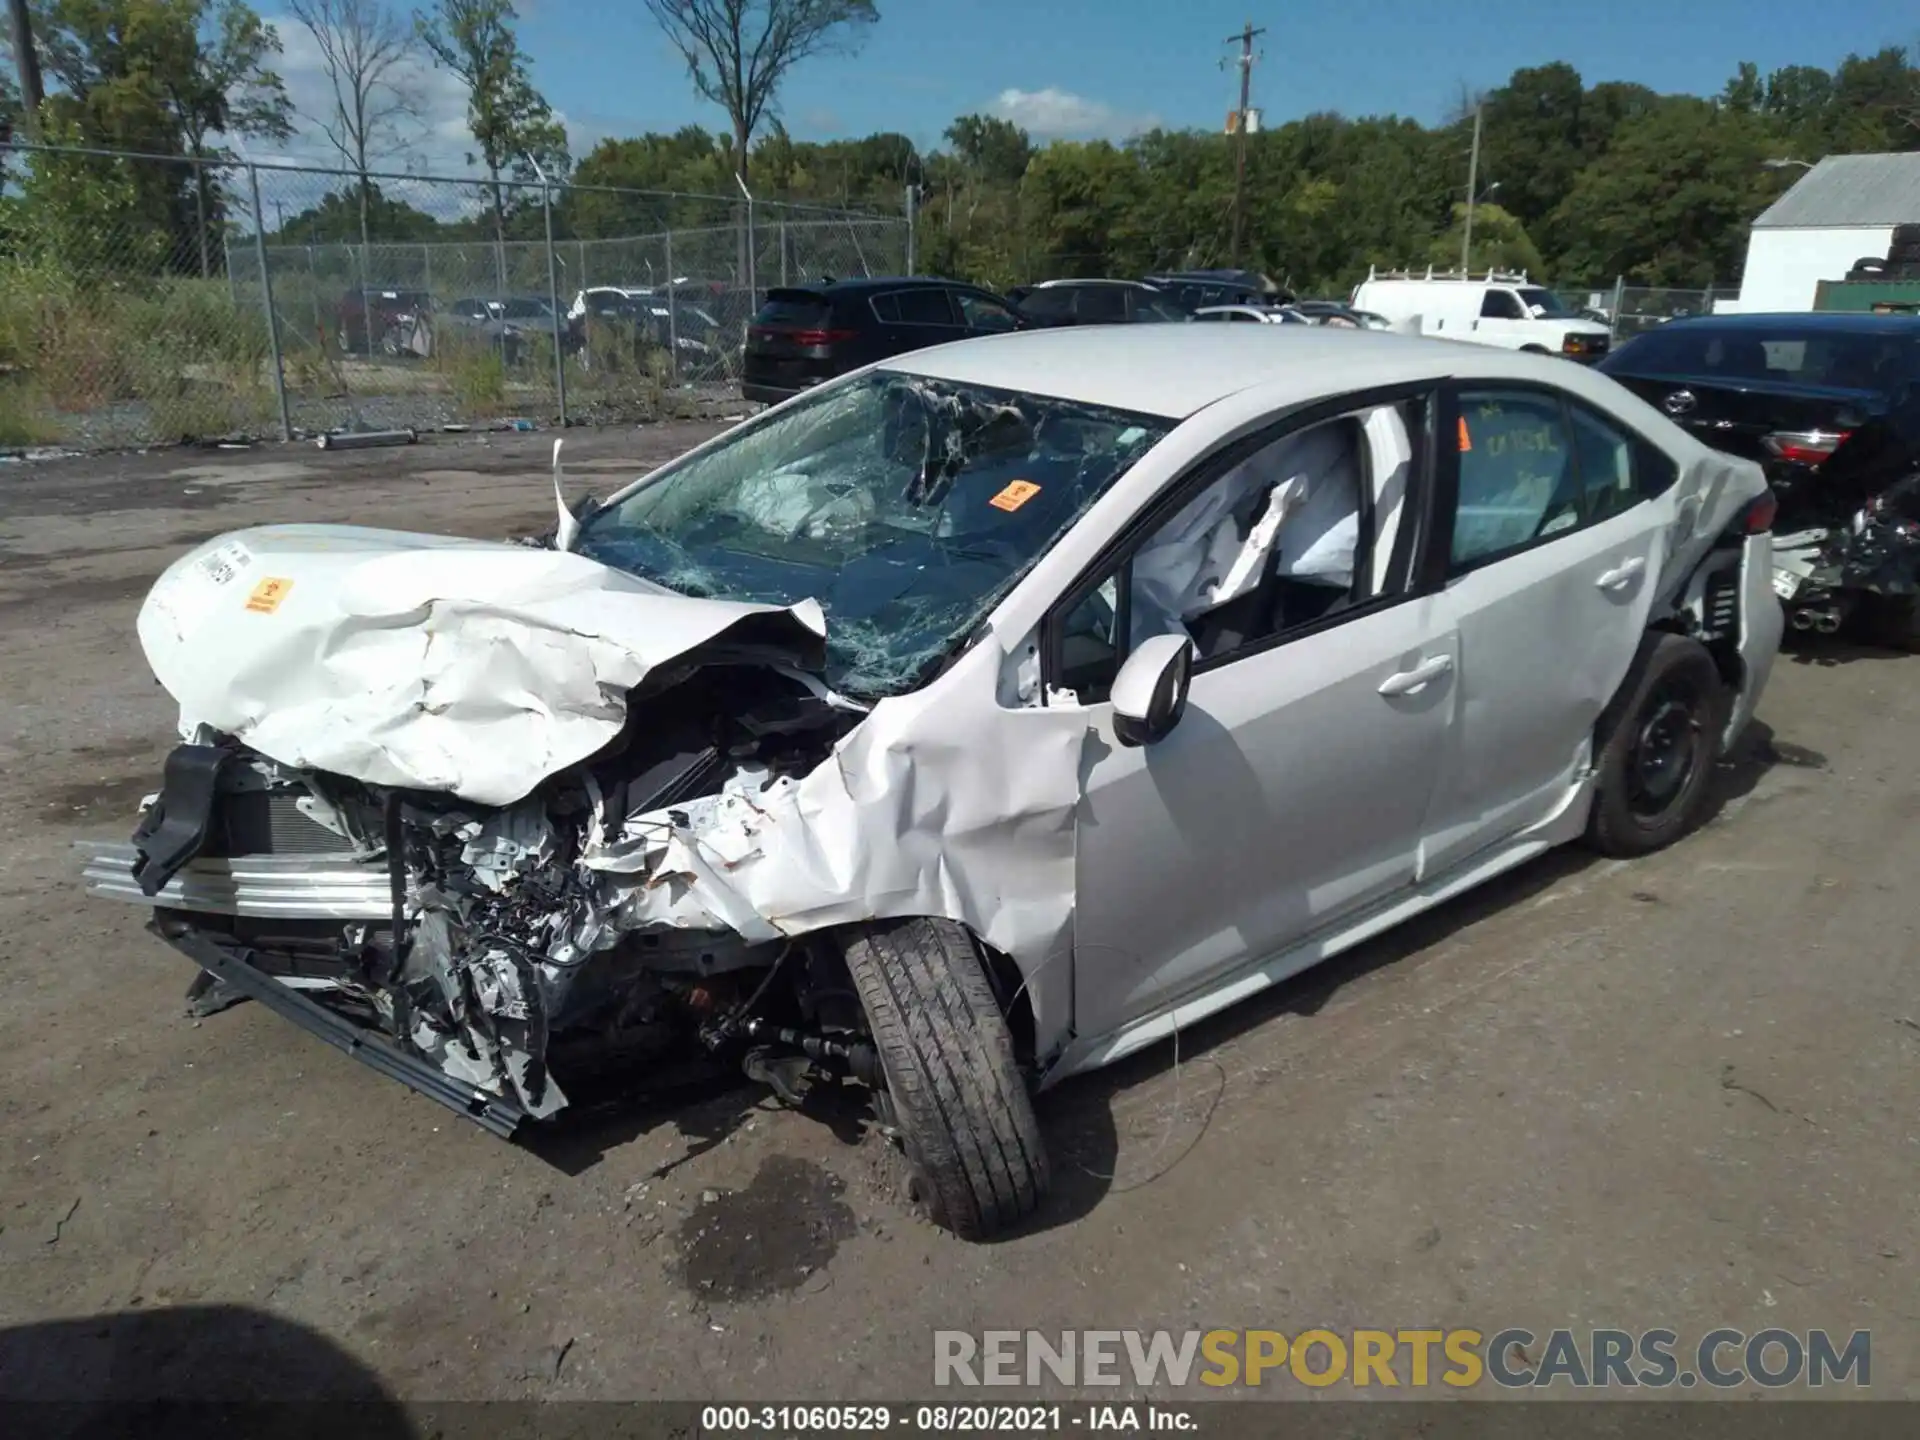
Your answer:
<point x="996" y="151"/>
<point x="337" y="219"/>
<point x="1500" y="242"/>
<point x="1670" y="201"/>
<point x="164" y="77"/>
<point x="738" y="51"/>
<point x="512" y="124"/>
<point x="1532" y="140"/>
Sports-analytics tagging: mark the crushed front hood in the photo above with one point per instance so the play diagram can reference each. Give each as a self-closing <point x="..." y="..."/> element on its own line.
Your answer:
<point x="469" y="667"/>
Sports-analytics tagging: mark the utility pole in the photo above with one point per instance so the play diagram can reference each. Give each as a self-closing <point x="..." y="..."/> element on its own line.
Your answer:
<point x="28" y="59"/>
<point x="1245" y="41"/>
<point x="1473" y="184"/>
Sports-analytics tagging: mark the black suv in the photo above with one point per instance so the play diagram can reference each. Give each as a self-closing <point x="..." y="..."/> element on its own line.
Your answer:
<point x="1099" y="302"/>
<point x="804" y="335"/>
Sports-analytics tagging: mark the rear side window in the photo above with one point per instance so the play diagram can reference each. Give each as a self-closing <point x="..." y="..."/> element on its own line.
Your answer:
<point x="1533" y="466"/>
<point x="1518" y="479"/>
<point x="916" y="307"/>
<point x="1100" y="303"/>
<point x="795" y="310"/>
<point x="1882" y="362"/>
<point x="1054" y="302"/>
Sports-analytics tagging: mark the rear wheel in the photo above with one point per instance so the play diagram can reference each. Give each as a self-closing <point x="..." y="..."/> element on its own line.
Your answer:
<point x="953" y="1087"/>
<point x="1657" y="746"/>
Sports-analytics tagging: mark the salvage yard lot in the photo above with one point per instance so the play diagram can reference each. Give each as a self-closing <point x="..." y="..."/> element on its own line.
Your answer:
<point x="1678" y="1092"/>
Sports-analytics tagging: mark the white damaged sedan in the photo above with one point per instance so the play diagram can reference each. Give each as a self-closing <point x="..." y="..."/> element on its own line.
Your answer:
<point x="967" y="722"/>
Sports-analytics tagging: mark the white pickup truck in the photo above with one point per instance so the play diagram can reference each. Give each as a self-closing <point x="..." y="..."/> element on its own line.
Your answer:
<point x="1496" y="308"/>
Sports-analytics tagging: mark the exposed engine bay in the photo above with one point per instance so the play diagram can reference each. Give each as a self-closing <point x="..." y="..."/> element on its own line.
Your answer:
<point x="523" y="946"/>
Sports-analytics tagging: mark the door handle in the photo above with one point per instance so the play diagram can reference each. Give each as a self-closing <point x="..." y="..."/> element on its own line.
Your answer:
<point x="1620" y="575"/>
<point x="1408" y="681"/>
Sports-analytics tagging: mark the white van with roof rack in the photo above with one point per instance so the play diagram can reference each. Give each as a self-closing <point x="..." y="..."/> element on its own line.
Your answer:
<point x="1497" y="308"/>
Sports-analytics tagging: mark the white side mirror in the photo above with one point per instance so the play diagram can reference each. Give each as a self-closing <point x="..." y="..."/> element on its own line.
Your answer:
<point x="1150" y="692"/>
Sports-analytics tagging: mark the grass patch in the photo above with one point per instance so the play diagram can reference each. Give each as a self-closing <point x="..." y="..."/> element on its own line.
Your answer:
<point x="476" y="374"/>
<point x="24" y="417"/>
<point x="199" y="363"/>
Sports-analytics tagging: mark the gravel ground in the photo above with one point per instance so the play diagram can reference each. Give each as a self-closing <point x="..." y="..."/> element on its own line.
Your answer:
<point x="1678" y="1092"/>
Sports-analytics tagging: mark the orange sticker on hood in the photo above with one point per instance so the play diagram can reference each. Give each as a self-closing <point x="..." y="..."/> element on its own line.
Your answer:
<point x="1017" y="493"/>
<point x="268" y="594"/>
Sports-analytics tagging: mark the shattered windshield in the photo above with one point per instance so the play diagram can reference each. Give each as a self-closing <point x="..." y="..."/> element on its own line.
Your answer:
<point x="906" y="506"/>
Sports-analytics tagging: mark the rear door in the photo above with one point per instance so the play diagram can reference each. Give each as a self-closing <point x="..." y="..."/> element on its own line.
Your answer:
<point x="1562" y="520"/>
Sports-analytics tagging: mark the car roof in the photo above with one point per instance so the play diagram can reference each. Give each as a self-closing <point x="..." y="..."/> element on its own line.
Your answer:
<point x="1095" y="280"/>
<point x="1174" y="370"/>
<point x="1840" y="322"/>
<point x="873" y="282"/>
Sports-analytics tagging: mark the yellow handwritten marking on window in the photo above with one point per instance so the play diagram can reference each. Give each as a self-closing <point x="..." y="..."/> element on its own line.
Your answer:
<point x="1017" y="493"/>
<point x="268" y="594"/>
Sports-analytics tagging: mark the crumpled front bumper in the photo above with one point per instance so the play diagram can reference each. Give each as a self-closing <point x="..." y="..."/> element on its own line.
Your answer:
<point x="231" y="962"/>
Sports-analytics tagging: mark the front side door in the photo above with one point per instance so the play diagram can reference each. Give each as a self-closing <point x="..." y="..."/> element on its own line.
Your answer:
<point x="1561" y="523"/>
<point x="1501" y="319"/>
<point x="1295" y="786"/>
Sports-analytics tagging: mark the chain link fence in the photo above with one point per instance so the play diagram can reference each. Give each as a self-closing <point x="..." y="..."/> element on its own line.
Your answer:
<point x="146" y="300"/>
<point x="1629" y="309"/>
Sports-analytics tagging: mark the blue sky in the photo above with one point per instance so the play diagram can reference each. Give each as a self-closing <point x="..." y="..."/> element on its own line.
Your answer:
<point x="1081" y="68"/>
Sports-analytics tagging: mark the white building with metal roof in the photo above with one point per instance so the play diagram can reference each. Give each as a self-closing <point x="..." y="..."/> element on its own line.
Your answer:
<point x="1843" y="209"/>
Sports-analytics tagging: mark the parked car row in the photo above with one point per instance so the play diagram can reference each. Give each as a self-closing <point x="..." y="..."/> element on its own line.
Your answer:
<point x="688" y="318"/>
<point x="804" y="335"/>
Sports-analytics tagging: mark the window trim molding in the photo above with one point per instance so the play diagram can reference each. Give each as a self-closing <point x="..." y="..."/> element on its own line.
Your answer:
<point x="1405" y="580"/>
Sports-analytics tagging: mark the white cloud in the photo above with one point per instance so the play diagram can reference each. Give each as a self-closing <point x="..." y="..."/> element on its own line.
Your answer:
<point x="435" y="142"/>
<point x="1055" y="114"/>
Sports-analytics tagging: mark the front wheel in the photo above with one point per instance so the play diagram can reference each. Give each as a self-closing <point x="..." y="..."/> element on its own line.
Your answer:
<point x="953" y="1087"/>
<point x="1657" y="745"/>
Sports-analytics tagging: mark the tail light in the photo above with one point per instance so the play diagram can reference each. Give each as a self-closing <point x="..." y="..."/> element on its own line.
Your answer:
<point x="1758" y="517"/>
<point x="799" y="337"/>
<point x="1805" y="447"/>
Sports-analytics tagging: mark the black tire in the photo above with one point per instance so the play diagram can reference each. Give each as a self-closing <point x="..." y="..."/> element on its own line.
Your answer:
<point x="1534" y="350"/>
<point x="1889" y="621"/>
<point x="953" y="1086"/>
<point x="1656" y="747"/>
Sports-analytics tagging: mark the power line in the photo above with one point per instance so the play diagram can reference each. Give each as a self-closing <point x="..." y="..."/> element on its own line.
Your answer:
<point x="1245" y="61"/>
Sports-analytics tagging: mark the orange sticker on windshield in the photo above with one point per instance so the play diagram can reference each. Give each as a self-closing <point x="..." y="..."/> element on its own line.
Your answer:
<point x="1466" y="441"/>
<point x="267" y="595"/>
<point x="1017" y="493"/>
